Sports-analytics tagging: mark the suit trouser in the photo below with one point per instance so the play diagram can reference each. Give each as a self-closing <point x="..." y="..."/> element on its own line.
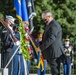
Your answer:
<point x="5" y="58"/>
<point x="55" y="65"/>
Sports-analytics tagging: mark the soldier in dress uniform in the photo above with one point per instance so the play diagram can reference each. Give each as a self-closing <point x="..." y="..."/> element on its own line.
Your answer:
<point x="7" y="44"/>
<point x="67" y="60"/>
<point x="18" y="60"/>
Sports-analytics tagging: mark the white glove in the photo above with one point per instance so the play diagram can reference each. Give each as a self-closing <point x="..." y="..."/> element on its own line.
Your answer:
<point x="20" y="51"/>
<point x="17" y="43"/>
<point x="35" y="60"/>
<point x="71" y="64"/>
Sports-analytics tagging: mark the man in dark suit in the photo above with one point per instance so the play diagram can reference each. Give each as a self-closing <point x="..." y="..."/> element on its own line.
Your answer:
<point x="51" y="47"/>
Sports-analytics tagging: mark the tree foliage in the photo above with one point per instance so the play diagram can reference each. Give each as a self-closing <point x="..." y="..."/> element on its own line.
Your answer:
<point x="6" y="7"/>
<point x="64" y="11"/>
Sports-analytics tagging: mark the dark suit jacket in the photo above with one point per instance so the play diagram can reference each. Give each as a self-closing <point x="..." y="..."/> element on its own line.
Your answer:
<point x="51" y="46"/>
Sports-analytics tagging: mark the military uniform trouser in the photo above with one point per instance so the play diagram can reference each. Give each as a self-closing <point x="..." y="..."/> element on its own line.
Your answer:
<point x="40" y="72"/>
<point x="67" y="68"/>
<point x="5" y="57"/>
<point x="18" y="63"/>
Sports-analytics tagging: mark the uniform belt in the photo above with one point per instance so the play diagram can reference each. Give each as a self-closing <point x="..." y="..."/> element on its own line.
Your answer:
<point x="67" y="54"/>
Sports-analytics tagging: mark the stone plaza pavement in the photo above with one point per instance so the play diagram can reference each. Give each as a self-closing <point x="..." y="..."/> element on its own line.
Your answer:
<point x="46" y="74"/>
<point x="37" y="74"/>
<point x="49" y="74"/>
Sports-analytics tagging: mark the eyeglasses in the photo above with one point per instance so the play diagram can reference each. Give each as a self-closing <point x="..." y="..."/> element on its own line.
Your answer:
<point x="66" y="40"/>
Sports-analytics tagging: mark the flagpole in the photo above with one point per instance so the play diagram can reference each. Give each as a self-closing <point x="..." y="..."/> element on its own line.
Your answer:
<point x="31" y="14"/>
